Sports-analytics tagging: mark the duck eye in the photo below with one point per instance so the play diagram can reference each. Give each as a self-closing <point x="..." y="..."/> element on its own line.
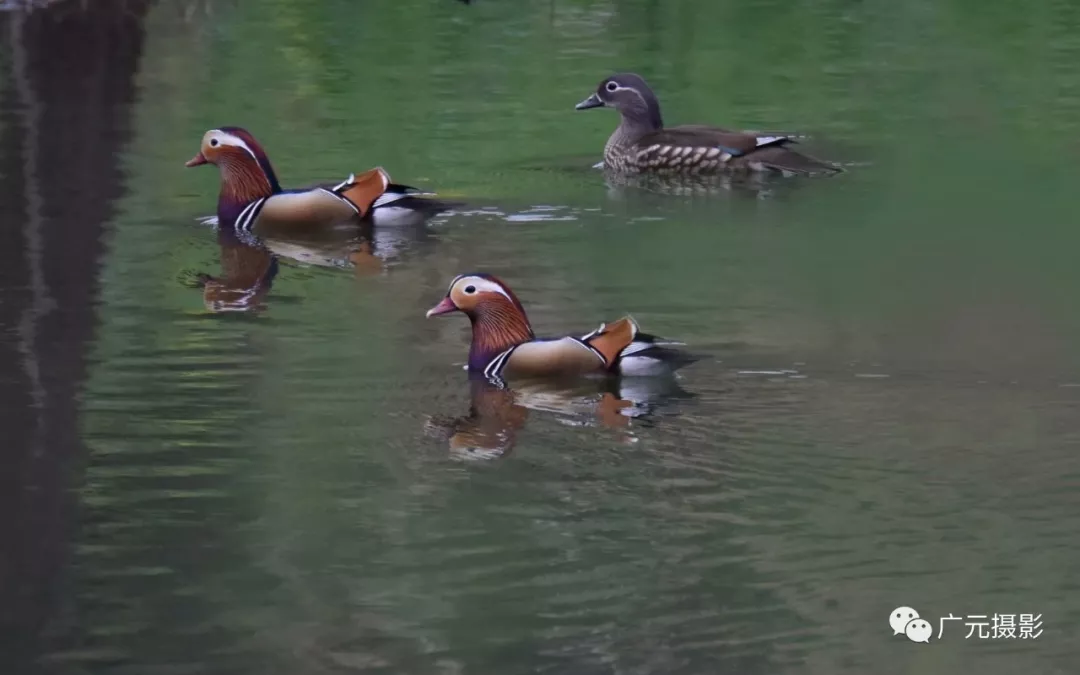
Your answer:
<point x="214" y="142"/>
<point x="611" y="86"/>
<point x="470" y="289"/>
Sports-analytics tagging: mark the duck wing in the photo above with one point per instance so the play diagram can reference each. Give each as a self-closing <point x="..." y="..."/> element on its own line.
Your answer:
<point x="697" y="139"/>
<point x="714" y="147"/>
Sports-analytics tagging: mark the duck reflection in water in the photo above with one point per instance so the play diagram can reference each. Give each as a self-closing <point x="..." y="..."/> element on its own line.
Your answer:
<point x="248" y="270"/>
<point x="360" y="246"/>
<point x="249" y="263"/>
<point x="498" y="413"/>
<point x="746" y="186"/>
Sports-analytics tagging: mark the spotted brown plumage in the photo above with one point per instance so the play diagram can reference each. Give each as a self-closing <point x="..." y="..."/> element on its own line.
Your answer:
<point x="251" y="196"/>
<point x="503" y="343"/>
<point x="641" y="143"/>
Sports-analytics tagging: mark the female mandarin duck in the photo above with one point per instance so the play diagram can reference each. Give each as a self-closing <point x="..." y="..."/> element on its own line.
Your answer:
<point x="641" y="143"/>
<point x="251" y="196"/>
<point x="504" y="345"/>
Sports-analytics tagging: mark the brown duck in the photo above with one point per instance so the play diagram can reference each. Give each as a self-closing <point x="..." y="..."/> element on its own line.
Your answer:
<point x="504" y="345"/>
<point x="642" y="143"/>
<point x="251" y="196"/>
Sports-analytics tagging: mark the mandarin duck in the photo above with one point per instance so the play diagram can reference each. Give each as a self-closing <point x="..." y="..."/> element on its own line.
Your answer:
<point x="504" y="345"/>
<point x="641" y="143"/>
<point x="251" y="196"/>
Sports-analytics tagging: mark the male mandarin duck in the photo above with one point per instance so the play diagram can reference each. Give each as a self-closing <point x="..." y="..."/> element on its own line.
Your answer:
<point x="252" y="197"/>
<point x="641" y="143"/>
<point x="504" y="345"/>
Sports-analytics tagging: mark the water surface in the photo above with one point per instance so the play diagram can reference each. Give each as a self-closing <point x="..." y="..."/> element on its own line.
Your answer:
<point x="884" y="412"/>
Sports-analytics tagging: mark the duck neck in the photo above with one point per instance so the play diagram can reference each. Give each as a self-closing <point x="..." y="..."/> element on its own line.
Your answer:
<point x="634" y="123"/>
<point x="243" y="181"/>
<point x="496" y="326"/>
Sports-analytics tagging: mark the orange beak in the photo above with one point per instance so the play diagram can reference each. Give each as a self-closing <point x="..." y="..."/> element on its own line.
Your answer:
<point x="196" y="160"/>
<point x="445" y="307"/>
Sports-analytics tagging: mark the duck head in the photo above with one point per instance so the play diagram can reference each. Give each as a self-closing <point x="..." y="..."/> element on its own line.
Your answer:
<point x="246" y="172"/>
<point x="631" y="96"/>
<point x="498" y="319"/>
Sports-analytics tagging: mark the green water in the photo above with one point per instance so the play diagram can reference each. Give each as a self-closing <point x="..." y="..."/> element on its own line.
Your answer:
<point x="884" y="414"/>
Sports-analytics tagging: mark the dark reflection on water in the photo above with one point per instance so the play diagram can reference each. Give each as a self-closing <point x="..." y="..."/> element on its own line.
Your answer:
<point x="250" y="262"/>
<point x="68" y="85"/>
<point x="884" y="412"/>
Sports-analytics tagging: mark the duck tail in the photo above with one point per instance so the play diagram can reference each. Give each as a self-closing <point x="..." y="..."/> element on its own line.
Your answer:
<point x="651" y="355"/>
<point x="395" y="192"/>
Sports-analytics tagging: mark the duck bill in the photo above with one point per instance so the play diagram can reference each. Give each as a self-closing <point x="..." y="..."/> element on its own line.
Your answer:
<point x="445" y="307"/>
<point x="196" y="160"/>
<point x="591" y="102"/>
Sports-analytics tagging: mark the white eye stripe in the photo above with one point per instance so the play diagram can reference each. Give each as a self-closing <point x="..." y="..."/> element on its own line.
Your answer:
<point x="637" y="93"/>
<point x="228" y="139"/>
<point x="481" y="284"/>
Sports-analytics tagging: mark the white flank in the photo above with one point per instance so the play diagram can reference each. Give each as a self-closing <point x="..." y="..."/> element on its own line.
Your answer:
<point x="642" y="365"/>
<point x="333" y="193"/>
